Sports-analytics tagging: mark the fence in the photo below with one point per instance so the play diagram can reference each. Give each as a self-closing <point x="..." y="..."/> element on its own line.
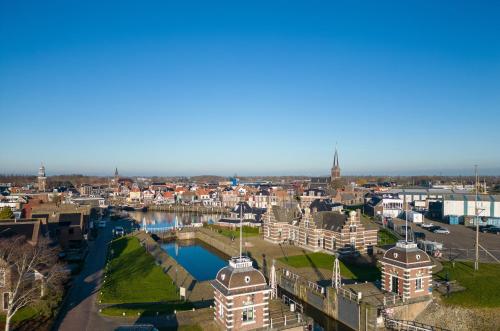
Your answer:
<point x="393" y="324"/>
<point x="469" y="254"/>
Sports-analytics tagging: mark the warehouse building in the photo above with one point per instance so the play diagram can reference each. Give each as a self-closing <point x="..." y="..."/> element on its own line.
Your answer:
<point x="464" y="205"/>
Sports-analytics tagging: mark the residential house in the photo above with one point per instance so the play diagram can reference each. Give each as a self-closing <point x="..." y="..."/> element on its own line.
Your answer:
<point x="386" y="205"/>
<point x="135" y="195"/>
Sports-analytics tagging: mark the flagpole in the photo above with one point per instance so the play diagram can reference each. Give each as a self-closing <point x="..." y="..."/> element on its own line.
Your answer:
<point x="241" y="230"/>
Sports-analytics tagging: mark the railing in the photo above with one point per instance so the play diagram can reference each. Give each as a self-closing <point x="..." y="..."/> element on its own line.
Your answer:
<point x="392" y="300"/>
<point x="315" y="287"/>
<point x="403" y="325"/>
<point x="276" y="322"/>
<point x="289" y="301"/>
<point x="348" y="294"/>
<point x="392" y="324"/>
<point x="290" y="275"/>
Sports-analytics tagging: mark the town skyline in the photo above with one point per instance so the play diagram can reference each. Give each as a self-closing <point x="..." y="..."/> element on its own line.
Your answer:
<point x="346" y="172"/>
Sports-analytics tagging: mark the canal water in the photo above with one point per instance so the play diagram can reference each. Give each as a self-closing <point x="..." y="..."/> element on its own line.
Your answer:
<point x="200" y="260"/>
<point x="162" y="220"/>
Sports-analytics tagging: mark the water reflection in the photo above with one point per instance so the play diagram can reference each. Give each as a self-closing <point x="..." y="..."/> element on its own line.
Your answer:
<point x="161" y="220"/>
<point x="200" y="260"/>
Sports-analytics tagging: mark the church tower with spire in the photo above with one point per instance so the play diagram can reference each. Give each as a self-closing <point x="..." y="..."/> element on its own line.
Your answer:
<point x="335" y="172"/>
<point x="117" y="177"/>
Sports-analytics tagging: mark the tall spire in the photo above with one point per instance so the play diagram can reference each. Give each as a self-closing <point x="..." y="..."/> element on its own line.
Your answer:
<point x="336" y="158"/>
<point x="336" y="167"/>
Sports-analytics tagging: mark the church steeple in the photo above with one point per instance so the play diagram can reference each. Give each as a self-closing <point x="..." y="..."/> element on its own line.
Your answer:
<point x="335" y="174"/>
<point x="117" y="177"/>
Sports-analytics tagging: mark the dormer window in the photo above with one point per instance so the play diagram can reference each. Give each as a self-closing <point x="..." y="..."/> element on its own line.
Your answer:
<point x="395" y="255"/>
<point x="417" y="257"/>
<point x="223" y="276"/>
<point x="247" y="279"/>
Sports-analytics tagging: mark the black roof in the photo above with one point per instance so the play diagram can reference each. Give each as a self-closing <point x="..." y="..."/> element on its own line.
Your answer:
<point x="323" y="205"/>
<point x="245" y="208"/>
<point x="329" y="220"/>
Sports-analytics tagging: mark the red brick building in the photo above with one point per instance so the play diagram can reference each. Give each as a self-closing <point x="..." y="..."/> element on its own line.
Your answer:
<point x="407" y="271"/>
<point x="241" y="296"/>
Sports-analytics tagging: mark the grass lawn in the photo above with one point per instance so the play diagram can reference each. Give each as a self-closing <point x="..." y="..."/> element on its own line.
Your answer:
<point x="482" y="287"/>
<point x="248" y="231"/>
<point x="134" y="277"/>
<point x="386" y="237"/>
<point x="325" y="261"/>
<point x="23" y="314"/>
<point x="146" y="309"/>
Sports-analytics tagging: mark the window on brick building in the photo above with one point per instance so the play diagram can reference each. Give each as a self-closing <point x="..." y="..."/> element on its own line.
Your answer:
<point x="419" y="284"/>
<point x="248" y="314"/>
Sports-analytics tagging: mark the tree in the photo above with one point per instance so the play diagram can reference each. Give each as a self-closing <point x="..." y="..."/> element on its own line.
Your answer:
<point x="31" y="273"/>
<point x="6" y="213"/>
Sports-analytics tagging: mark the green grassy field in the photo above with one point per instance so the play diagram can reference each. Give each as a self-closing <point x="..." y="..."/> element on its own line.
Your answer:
<point x="482" y="287"/>
<point x="146" y="309"/>
<point x="248" y="231"/>
<point x="386" y="237"/>
<point x="325" y="261"/>
<point x="134" y="277"/>
<point x="23" y="314"/>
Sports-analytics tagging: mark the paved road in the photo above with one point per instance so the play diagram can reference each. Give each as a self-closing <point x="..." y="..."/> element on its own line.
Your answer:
<point x="461" y="239"/>
<point x="80" y="311"/>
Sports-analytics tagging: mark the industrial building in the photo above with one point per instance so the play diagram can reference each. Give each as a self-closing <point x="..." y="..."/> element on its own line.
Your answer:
<point x="464" y="205"/>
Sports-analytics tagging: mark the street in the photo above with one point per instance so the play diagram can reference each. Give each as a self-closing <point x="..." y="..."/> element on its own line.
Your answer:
<point x="79" y="310"/>
<point x="461" y="239"/>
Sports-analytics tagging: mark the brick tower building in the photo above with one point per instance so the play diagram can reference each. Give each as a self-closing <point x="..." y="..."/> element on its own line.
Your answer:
<point x="407" y="271"/>
<point x="42" y="179"/>
<point x="241" y="296"/>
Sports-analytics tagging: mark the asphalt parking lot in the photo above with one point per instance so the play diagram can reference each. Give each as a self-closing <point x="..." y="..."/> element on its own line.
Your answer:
<point x="461" y="238"/>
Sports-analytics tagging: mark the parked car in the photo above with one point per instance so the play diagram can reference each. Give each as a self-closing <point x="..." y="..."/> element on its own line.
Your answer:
<point x="484" y="228"/>
<point x="493" y="229"/>
<point x="442" y="231"/>
<point x="426" y="225"/>
<point x="118" y="231"/>
<point x="102" y="224"/>
<point x="418" y="236"/>
<point x="433" y="228"/>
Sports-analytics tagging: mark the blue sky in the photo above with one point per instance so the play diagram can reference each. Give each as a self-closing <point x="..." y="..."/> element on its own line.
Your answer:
<point x="403" y="87"/>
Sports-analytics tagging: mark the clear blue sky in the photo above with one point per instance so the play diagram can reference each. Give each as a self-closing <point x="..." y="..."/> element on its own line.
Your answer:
<point x="253" y="88"/>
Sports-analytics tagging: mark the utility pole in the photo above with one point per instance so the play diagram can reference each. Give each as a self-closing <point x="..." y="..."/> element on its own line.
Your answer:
<point x="476" y="211"/>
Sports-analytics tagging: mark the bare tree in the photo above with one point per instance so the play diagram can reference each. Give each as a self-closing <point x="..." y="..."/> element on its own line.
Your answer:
<point x="30" y="273"/>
